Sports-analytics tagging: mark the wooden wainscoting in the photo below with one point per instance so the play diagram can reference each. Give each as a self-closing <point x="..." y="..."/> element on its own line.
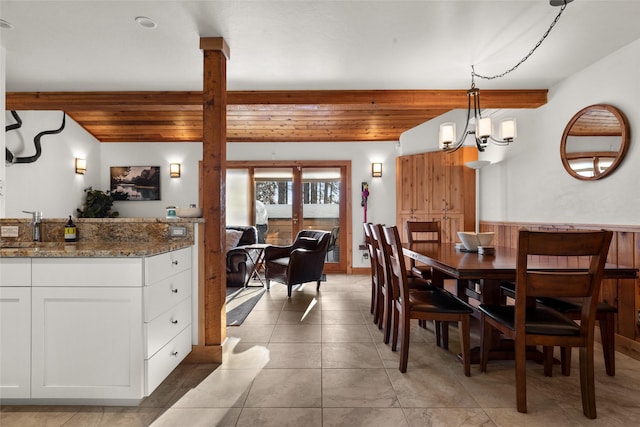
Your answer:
<point x="624" y="250"/>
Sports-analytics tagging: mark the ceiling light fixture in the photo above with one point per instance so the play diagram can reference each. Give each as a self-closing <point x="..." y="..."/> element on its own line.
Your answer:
<point x="5" y="25"/>
<point x="146" y="23"/>
<point x="482" y="127"/>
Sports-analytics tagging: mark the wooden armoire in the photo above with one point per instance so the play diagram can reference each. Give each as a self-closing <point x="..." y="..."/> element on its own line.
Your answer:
<point x="437" y="186"/>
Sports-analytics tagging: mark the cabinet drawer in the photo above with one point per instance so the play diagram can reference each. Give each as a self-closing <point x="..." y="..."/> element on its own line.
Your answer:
<point x="166" y="326"/>
<point x="166" y="360"/>
<point x="162" y="295"/>
<point x="87" y="272"/>
<point x="164" y="265"/>
<point x="15" y="272"/>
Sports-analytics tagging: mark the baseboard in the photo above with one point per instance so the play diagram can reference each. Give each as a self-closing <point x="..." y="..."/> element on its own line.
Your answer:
<point x="628" y="347"/>
<point x="361" y="270"/>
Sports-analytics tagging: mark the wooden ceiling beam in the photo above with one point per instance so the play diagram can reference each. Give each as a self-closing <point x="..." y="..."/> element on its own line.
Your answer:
<point x="273" y="100"/>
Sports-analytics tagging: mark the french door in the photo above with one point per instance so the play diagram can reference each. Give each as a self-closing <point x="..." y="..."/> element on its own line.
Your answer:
<point x="282" y="198"/>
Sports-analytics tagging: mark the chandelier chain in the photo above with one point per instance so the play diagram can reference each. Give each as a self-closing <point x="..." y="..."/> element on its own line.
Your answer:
<point x="544" y="36"/>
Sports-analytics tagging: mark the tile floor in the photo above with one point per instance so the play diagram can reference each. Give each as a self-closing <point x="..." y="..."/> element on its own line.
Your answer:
<point x="317" y="360"/>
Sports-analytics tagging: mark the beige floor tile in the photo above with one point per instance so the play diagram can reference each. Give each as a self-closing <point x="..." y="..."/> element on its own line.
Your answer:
<point x="430" y="388"/>
<point x="262" y="317"/>
<point x="309" y="317"/>
<point x="251" y="333"/>
<point x="296" y="333"/>
<point x="294" y="356"/>
<point x="28" y="416"/>
<point x="350" y="355"/>
<point x="280" y="417"/>
<point x="224" y="388"/>
<point x="345" y="333"/>
<point x="286" y="388"/>
<point x="340" y="317"/>
<point x="450" y="417"/>
<point x="363" y="417"/>
<point x="357" y="388"/>
<point x="241" y="355"/>
<point x="198" y="417"/>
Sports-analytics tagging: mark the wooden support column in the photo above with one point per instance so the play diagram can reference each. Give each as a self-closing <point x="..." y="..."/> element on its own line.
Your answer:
<point x="213" y="184"/>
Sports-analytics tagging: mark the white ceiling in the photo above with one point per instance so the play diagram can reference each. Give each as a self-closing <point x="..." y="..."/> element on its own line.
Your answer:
<point x="95" y="45"/>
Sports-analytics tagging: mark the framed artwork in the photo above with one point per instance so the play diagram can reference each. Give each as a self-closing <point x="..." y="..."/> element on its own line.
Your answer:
<point x="135" y="183"/>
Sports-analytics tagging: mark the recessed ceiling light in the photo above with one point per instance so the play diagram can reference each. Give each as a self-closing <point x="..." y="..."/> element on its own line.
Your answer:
<point x="5" y="25"/>
<point x="146" y="23"/>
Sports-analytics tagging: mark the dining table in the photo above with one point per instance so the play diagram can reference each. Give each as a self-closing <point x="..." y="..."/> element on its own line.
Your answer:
<point x="479" y="277"/>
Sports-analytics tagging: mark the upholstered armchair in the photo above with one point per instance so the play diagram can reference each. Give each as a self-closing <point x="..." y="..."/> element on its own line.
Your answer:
<point x="239" y="264"/>
<point x="301" y="262"/>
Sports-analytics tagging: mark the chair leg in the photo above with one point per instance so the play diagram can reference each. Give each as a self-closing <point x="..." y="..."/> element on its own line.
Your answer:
<point x="386" y="319"/>
<point x="547" y="353"/>
<point x="587" y="381"/>
<point x="565" y="360"/>
<point x="485" y="332"/>
<point x="438" y="331"/>
<point x="289" y="287"/>
<point x="444" y="335"/>
<point x="404" y="344"/>
<point x="268" y="284"/>
<point x="396" y="326"/>
<point x="521" y="376"/>
<point x="465" y="344"/>
<point x="607" y="336"/>
<point x="318" y="285"/>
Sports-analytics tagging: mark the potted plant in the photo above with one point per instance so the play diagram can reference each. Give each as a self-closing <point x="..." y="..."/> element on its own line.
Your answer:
<point x="97" y="205"/>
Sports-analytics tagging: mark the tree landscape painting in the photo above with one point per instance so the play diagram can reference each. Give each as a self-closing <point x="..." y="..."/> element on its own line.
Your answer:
<point x="136" y="183"/>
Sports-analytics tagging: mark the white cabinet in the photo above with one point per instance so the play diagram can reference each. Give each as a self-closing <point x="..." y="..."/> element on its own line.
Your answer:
<point x="93" y="329"/>
<point x="167" y="314"/>
<point x="87" y="343"/>
<point x="15" y="327"/>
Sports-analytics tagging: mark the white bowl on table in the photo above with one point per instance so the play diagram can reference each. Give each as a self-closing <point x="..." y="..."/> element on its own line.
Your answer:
<point x="190" y="212"/>
<point x="471" y="240"/>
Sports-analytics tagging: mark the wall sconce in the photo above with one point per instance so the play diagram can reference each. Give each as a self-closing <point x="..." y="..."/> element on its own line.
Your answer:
<point x="81" y="166"/>
<point x="174" y="170"/>
<point x="376" y="170"/>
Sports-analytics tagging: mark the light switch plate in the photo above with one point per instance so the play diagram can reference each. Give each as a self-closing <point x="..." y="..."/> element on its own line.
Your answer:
<point x="177" y="231"/>
<point x="9" y="231"/>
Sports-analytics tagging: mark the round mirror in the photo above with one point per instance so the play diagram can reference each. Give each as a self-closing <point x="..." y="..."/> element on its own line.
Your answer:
<point x="594" y="142"/>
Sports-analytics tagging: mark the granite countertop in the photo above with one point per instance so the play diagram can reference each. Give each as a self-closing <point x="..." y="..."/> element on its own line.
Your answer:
<point x="89" y="249"/>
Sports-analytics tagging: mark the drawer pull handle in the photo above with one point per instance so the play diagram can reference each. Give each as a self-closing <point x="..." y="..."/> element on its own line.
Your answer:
<point x="175" y="322"/>
<point x="174" y="262"/>
<point x="174" y="353"/>
<point x="175" y="291"/>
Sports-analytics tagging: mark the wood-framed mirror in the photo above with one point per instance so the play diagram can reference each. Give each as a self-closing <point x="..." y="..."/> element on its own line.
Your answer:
<point x="594" y="142"/>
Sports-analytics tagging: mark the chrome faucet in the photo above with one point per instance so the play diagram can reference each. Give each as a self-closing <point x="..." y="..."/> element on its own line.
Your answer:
<point x="35" y="223"/>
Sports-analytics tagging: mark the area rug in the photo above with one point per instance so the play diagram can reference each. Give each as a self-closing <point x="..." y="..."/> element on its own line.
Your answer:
<point x="240" y="302"/>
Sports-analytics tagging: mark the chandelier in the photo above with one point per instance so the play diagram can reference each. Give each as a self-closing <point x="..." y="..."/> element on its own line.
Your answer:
<point x="482" y="127"/>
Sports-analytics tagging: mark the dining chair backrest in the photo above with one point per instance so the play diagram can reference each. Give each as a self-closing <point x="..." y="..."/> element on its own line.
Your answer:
<point x="396" y="265"/>
<point x="578" y="260"/>
<point x="423" y="231"/>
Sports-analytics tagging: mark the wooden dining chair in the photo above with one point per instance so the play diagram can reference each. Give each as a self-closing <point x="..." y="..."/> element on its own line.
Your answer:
<point x="422" y="232"/>
<point x="435" y="304"/>
<point x="572" y="308"/>
<point x="531" y="324"/>
<point x="376" y="293"/>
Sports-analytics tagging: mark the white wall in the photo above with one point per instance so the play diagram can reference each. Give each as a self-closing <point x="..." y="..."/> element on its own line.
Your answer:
<point x="49" y="184"/>
<point x="526" y="181"/>
<point x="179" y="192"/>
<point x="2" y="126"/>
<point x="532" y="185"/>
